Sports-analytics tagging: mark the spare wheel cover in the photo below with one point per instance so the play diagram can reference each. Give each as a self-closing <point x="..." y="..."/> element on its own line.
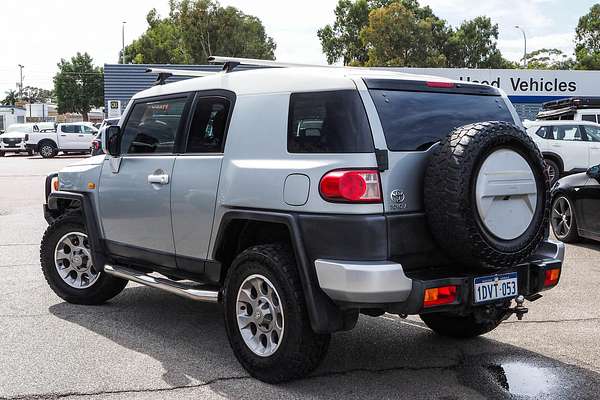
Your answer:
<point x="506" y="194"/>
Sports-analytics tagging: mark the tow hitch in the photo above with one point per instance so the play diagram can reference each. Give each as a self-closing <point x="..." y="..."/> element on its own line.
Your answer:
<point x="519" y="310"/>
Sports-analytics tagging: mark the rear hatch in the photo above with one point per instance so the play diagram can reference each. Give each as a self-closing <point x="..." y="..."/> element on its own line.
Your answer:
<point x="415" y="116"/>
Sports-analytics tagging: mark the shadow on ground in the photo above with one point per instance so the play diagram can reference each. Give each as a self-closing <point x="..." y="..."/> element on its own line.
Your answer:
<point x="380" y="358"/>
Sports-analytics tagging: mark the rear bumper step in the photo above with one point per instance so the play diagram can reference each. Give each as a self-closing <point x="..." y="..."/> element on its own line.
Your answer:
<point x="188" y="290"/>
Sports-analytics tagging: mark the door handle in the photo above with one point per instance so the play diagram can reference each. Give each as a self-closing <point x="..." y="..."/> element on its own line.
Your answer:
<point x="63" y="135"/>
<point x="595" y="147"/>
<point x="556" y="145"/>
<point x="80" y="135"/>
<point x="162" y="179"/>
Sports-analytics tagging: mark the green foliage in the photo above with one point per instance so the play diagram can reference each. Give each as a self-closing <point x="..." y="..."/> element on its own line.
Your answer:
<point x="11" y="98"/>
<point x="473" y="45"/>
<point x="549" y="59"/>
<point x="36" y="95"/>
<point x="197" y="29"/>
<point x="402" y="33"/>
<point x="398" y="35"/>
<point x="79" y="85"/>
<point x="587" y="40"/>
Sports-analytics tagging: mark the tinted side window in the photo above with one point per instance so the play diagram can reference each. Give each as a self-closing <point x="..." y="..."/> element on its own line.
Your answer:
<point x="328" y="122"/>
<point x="87" y="129"/>
<point x="592" y="132"/>
<point x="544" y="132"/>
<point x="151" y="127"/>
<point x="68" y="128"/>
<point x="588" y="117"/>
<point x="567" y="132"/>
<point x="207" y="133"/>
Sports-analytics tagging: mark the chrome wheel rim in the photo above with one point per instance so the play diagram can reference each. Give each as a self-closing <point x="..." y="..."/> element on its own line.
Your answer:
<point x="46" y="150"/>
<point x="260" y="315"/>
<point x="73" y="261"/>
<point x="562" y="217"/>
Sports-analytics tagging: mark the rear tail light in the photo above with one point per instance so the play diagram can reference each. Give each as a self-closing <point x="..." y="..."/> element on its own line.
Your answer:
<point x="351" y="186"/>
<point x="442" y="85"/>
<point x="55" y="184"/>
<point x="439" y="296"/>
<point x="96" y="145"/>
<point x="551" y="277"/>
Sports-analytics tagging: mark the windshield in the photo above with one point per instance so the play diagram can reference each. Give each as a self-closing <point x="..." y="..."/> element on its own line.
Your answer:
<point x="415" y="120"/>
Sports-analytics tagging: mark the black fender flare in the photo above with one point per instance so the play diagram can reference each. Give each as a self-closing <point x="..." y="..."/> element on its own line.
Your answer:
<point x="325" y="316"/>
<point x="89" y="219"/>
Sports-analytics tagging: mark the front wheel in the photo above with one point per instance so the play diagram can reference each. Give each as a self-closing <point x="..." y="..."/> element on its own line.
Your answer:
<point x="266" y="318"/>
<point x="48" y="150"/>
<point x="460" y="326"/>
<point x="65" y="256"/>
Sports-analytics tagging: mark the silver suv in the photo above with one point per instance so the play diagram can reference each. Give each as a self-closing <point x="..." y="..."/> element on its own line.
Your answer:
<point x="300" y="197"/>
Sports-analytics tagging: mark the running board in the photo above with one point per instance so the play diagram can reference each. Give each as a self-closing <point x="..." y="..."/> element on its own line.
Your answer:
<point x="190" y="291"/>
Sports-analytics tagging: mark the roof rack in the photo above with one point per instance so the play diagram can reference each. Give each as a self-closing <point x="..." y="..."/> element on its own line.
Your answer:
<point x="165" y="73"/>
<point x="575" y="102"/>
<point x="232" y="62"/>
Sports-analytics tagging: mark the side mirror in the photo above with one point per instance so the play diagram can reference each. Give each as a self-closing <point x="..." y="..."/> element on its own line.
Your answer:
<point x="594" y="172"/>
<point x="112" y="140"/>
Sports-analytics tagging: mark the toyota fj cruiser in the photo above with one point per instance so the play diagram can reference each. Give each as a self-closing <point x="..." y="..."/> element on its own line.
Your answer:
<point x="300" y="197"/>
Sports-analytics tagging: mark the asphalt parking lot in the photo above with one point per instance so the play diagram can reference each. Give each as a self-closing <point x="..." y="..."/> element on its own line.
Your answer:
<point x="152" y="345"/>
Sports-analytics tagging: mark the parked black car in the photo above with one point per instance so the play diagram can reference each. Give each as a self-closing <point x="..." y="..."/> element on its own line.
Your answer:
<point x="576" y="206"/>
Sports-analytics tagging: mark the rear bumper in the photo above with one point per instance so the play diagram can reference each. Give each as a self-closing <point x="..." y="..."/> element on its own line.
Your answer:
<point x="386" y="285"/>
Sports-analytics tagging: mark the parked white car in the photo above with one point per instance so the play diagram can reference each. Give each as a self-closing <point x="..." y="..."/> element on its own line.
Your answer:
<point x="13" y="140"/>
<point x="567" y="146"/>
<point x="75" y="137"/>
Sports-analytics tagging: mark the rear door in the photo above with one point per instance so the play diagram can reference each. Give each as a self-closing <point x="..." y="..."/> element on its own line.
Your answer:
<point x="196" y="178"/>
<point x="67" y="137"/>
<point x="85" y="136"/>
<point x="570" y="143"/>
<point x="593" y="136"/>
<point x="135" y="191"/>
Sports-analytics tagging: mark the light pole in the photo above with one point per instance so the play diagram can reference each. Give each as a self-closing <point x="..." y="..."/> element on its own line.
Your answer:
<point x="525" y="45"/>
<point x="123" y="41"/>
<point x="21" y="80"/>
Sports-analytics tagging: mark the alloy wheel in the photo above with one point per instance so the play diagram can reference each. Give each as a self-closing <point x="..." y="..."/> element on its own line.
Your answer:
<point x="260" y="315"/>
<point x="562" y="217"/>
<point x="73" y="261"/>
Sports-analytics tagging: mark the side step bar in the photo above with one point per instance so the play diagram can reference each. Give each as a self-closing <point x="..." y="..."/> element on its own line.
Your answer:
<point x="190" y="291"/>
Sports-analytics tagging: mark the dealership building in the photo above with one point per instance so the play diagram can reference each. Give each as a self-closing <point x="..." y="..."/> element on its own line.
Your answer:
<point x="527" y="89"/>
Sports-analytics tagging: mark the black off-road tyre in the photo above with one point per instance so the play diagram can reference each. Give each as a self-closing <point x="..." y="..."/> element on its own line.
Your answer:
<point x="48" y="149"/>
<point x="450" y="202"/>
<point x="457" y="326"/>
<point x="301" y="350"/>
<point x="105" y="288"/>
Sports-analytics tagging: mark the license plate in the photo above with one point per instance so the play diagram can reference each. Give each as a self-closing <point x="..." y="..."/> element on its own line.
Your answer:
<point x="494" y="287"/>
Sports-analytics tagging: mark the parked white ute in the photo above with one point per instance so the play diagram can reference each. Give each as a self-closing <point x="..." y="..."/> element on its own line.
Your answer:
<point x="13" y="140"/>
<point x="75" y="137"/>
<point x="568" y="147"/>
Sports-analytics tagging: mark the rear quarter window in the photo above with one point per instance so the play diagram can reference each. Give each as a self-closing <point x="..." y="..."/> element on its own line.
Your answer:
<point x="414" y="120"/>
<point x="328" y="122"/>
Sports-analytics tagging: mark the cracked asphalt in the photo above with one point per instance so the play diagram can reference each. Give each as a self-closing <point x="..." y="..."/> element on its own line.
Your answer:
<point x="146" y="344"/>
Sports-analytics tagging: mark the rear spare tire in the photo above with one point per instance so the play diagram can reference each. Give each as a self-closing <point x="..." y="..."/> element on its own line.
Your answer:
<point x="487" y="195"/>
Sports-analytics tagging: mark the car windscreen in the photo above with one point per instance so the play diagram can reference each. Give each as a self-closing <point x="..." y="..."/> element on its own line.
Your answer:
<point x="413" y="120"/>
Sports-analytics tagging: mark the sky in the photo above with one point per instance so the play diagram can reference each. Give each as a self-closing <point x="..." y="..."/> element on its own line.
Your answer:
<point x="38" y="33"/>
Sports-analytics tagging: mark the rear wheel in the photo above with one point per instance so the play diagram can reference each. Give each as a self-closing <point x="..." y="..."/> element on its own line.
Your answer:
<point x="266" y="318"/>
<point x="552" y="169"/>
<point x="459" y="326"/>
<point x="562" y="220"/>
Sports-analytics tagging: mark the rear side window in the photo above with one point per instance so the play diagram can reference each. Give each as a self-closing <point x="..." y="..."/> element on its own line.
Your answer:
<point x="207" y="133"/>
<point x="588" y="117"/>
<point x="151" y="127"/>
<point x="328" y="122"/>
<point x="416" y="120"/>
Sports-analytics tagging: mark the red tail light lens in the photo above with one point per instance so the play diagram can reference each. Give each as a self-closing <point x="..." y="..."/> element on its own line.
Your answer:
<point x="96" y="145"/>
<point x="351" y="186"/>
<point x="439" y="296"/>
<point x="442" y="85"/>
<point x="552" y="276"/>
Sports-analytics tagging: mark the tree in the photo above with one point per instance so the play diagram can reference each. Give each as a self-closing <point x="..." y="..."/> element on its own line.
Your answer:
<point x="403" y="34"/>
<point x="79" y="85"/>
<point x="549" y="59"/>
<point x="587" y="40"/>
<point x="32" y="94"/>
<point x="474" y="45"/>
<point x="198" y="29"/>
<point x="11" y="98"/>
